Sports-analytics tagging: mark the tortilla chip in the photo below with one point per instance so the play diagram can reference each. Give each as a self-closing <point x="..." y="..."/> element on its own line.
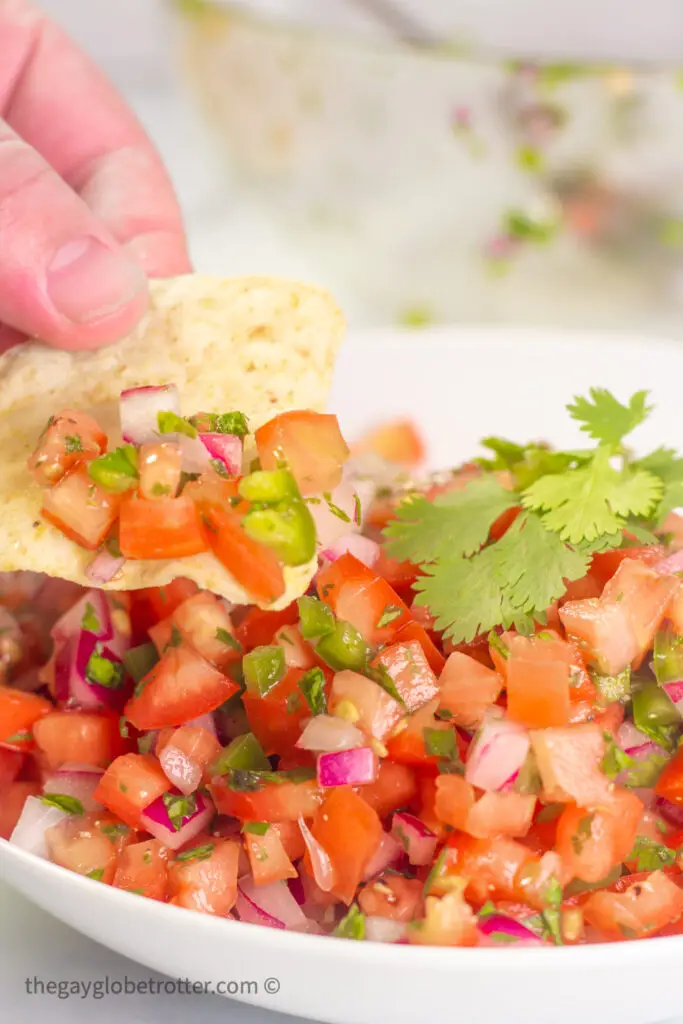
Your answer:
<point x="255" y="344"/>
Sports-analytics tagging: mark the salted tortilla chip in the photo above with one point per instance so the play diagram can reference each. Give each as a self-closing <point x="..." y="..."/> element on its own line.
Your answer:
<point x="255" y="344"/>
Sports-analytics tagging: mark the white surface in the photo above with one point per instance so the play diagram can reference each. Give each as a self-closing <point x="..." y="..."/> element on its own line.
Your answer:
<point x="460" y="384"/>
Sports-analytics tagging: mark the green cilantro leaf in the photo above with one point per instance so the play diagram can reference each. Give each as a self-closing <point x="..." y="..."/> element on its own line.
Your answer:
<point x="170" y="423"/>
<point x="666" y="464"/>
<point x="605" y="419"/>
<point x="228" y="639"/>
<point x="256" y="828"/>
<point x="68" y="804"/>
<point x="454" y="524"/>
<point x="352" y="926"/>
<point x="96" y="874"/>
<point x="312" y="686"/>
<point x="584" y="504"/>
<point x="202" y="852"/>
<point x="615" y="760"/>
<point x="650" y="855"/>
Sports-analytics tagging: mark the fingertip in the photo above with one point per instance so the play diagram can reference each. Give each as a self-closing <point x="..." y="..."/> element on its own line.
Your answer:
<point x="160" y="253"/>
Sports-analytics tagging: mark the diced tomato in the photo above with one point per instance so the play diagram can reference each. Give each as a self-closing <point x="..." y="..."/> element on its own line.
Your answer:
<point x="378" y="713"/>
<point x="454" y="799"/>
<point x="156" y="603"/>
<point x="276" y="801"/>
<point x="143" y="868"/>
<point x="415" y="631"/>
<point x="391" y="896"/>
<point x="131" y="783"/>
<point x="207" y="884"/>
<point x="349" y="831"/>
<point x="448" y="921"/>
<point x="68" y="438"/>
<point x="205" y="625"/>
<point x="670" y="783"/>
<point x="611" y="717"/>
<point x="490" y="866"/>
<point x="258" y="627"/>
<point x="298" y="653"/>
<point x="12" y="803"/>
<point x="401" y="575"/>
<point x="501" y="814"/>
<point x="606" y="563"/>
<point x="79" y="737"/>
<point x="589" y="586"/>
<point x="357" y="595"/>
<point x="254" y="566"/>
<point x="291" y="838"/>
<point x="468" y="689"/>
<point x="424" y="804"/>
<point x="161" y="634"/>
<point x="541" y="836"/>
<point x="648" y="597"/>
<point x="592" y="843"/>
<point x="188" y="743"/>
<point x="166" y="528"/>
<point x="87" y="844"/>
<point x="539" y="676"/>
<point x="11" y="762"/>
<point x="19" y="712"/>
<point x="276" y="718"/>
<point x="267" y="857"/>
<point x="568" y="760"/>
<point x="643" y="909"/>
<point x="394" y="787"/>
<point x="398" y="441"/>
<point x="410" y="672"/>
<point x="159" y="466"/>
<point x="311" y="445"/>
<point x="82" y="510"/>
<point x="407" y="745"/>
<point x="180" y="687"/>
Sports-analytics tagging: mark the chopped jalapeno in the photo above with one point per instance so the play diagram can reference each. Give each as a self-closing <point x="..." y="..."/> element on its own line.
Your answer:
<point x="116" y="471"/>
<point x="668" y="656"/>
<point x="268" y="486"/>
<point x="315" y="618"/>
<point x="244" y="753"/>
<point x="263" y="668"/>
<point x="344" y="648"/>
<point x="288" y="529"/>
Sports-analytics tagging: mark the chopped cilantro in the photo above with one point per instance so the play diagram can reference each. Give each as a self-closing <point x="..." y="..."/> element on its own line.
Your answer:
<point x="179" y="808"/>
<point x="170" y="423"/>
<point x="335" y="510"/>
<point x="312" y="686"/>
<point x="650" y="855"/>
<point x="256" y="828"/>
<point x="202" y="852"/>
<point x="68" y="804"/>
<point x="175" y="639"/>
<point x="390" y="613"/>
<point x="227" y="638"/>
<point x="583" y="832"/>
<point x="498" y="645"/>
<point x="352" y="925"/>
<point x="23" y="736"/>
<point x="380" y="675"/>
<point x="73" y="443"/>
<point x="615" y="760"/>
<point x="441" y="743"/>
<point x="114" y="831"/>
<point x="103" y="672"/>
<point x="96" y="874"/>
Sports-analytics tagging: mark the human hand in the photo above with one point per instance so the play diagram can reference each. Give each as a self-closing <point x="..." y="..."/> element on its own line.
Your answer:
<point x="87" y="211"/>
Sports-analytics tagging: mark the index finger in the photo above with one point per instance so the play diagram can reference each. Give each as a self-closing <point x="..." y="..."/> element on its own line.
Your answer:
<point x="59" y="102"/>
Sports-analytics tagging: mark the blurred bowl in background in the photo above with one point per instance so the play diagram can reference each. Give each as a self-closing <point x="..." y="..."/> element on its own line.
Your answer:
<point x="497" y="160"/>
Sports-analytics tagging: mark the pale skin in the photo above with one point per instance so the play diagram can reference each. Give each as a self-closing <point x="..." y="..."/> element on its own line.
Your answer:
<point x="87" y="211"/>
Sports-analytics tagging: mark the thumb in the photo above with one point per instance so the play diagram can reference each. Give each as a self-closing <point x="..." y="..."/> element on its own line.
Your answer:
<point x="63" y="277"/>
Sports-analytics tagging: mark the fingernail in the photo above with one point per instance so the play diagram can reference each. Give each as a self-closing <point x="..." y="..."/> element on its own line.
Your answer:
<point x="87" y="281"/>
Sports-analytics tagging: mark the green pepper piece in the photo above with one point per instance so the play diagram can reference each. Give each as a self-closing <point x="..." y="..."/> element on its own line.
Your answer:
<point x="668" y="656"/>
<point x="315" y="618"/>
<point x="268" y="486"/>
<point x="288" y="529"/>
<point x="655" y="714"/>
<point x="140" y="660"/>
<point x="244" y="753"/>
<point x="116" y="471"/>
<point x="612" y="688"/>
<point x="344" y="648"/>
<point x="263" y="668"/>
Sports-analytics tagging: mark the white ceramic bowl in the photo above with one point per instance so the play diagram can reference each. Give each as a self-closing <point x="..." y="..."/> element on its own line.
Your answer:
<point x="460" y="384"/>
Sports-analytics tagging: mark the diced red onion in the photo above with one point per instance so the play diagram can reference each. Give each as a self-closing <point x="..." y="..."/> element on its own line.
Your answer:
<point x="274" y="901"/>
<point x="363" y="548"/>
<point x="355" y="767"/>
<point x="670" y="565"/>
<point x="507" y="926"/>
<point x="156" y="821"/>
<point x="334" y="518"/>
<point x="139" y="409"/>
<point x="384" y="929"/>
<point x="181" y="771"/>
<point x="227" y="448"/>
<point x="675" y="691"/>
<point x="632" y="741"/>
<point x="34" y="820"/>
<point x="323" y="872"/>
<point x="71" y="682"/>
<point x="296" y="887"/>
<point x="70" y="625"/>
<point x="327" y="734"/>
<point x="204" y="722"/>
<point x="104" y="567"/>
<point x="417" y="840"/>
<point x="79" y="783"/>
<point x="672" y="812"/>
<point x="497" y="753"/>
<point x="250" y="913"/>
<point x="388" y="852"/>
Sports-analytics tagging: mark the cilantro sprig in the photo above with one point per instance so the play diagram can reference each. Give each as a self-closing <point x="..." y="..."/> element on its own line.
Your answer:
<point x="569" y="504"/>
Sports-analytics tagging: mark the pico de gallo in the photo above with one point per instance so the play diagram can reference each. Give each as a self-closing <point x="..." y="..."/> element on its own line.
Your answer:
<point x="467" y="733"/>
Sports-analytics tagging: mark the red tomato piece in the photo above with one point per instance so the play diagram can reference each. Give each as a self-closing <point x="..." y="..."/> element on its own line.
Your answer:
<point x="311" y="445"/>
<point x="410" y="672"/>
<point x="568" y="760"/>
<point x="188" y="742"/>
<point x="143" y="868"/>
<point x="356" y="594"/>
<point x="500" y="814"/>
<point x="592" y="843"/>
<point x="79" y="737"/>
<point x="401" y="575"/>
<point x="12" y="804"/>
<point x="11" y="762"/>
<point x="298" y="653"/>
<point x="349" y="831"/>
<point x="643" y="909"/>
<point x="391" y="896"/>
<point x="274" y="802"/>
<point x="397" y="441"/>
<point x="468" y="689"/>
<point x="258" y="627"/>
<point x="87" y="844"/>
<point x="207" y="884"/>
<point x="254" y="566"/>
<point x="83" y="511"/>
<point x="205" y="625"/>
<point x="539" y="676"/>
<point x="166" y="528"/>
<point x="180" y="687"/>
<point x="276" y="717"/>
<point x="415" y="631"/>
<point x="491" y="866"/>
<point x="159" y="466"/>
<point x="378" y="713"/>
<point x="394" y="787"/>
<point x="267" y="857"/>
<point x="153" y="604"/>
<point x="606" y="563"/>
<point x="407" y="745"/>
<point x="454" y="799"/>
<point x="131" y="783"/>
<point x="19" y="712"/>
<point x="69" y="438"/>
<point x="670" y="783"/>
